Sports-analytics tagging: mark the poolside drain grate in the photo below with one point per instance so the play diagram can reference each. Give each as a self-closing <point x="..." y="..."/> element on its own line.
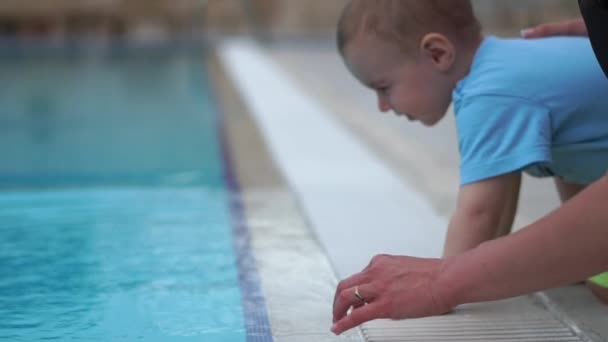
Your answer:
<point x="542" y="327"/>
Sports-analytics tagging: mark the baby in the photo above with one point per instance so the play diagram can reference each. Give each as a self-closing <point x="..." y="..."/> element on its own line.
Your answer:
<point x="533" y="106"/>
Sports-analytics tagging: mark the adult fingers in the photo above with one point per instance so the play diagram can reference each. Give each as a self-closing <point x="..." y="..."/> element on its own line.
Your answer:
<point x="361" y="277"/>
<point x="574" y="27"/>
<point x="349" y="282"/>
<point x="354" y="297"/>
<point x="357" y="317"/>
<point x="354" y="280"/>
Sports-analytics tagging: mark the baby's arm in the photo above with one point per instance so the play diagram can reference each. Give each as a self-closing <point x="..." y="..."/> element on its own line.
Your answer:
<point x="567" y="190"/>
<point x="485" y="210"/>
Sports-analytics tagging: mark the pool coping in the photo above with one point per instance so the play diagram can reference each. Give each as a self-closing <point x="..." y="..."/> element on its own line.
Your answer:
<point x="297" y="279"/>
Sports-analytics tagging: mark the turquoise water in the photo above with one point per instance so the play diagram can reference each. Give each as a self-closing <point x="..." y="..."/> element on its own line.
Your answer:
<point x="115" y="219"/>
<point x="124" y="120"/>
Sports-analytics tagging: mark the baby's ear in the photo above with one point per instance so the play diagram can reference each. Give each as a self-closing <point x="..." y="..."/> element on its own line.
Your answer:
<point x="439" y="49"/>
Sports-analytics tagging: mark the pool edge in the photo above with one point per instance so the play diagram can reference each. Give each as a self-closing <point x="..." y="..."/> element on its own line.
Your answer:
<point x="296" y="276"/>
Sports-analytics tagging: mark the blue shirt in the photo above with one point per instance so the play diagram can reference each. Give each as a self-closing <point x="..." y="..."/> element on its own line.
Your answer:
<point x="539" y="106"/>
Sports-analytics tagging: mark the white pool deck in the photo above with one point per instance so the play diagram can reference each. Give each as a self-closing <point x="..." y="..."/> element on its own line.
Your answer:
<point x="367" y="186"/>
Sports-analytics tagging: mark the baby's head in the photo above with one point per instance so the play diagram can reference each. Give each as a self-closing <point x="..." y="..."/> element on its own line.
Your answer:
<point x="411" y="52"/>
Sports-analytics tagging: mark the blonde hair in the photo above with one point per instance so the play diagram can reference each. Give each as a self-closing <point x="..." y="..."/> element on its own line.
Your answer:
<point x="405" y="22"/>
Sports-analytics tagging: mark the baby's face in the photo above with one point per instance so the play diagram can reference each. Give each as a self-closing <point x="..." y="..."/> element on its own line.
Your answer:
<point x="410" y="87"/>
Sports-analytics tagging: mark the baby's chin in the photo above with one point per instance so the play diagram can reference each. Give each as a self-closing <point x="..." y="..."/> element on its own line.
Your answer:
<point x="427" y="120"/>
<point x="428" y="124"/>
<point x="430" y="121"/>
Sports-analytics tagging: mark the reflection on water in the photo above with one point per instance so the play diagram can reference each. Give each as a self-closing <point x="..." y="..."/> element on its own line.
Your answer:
<point x="39" y="117"/>
<point x="98" y="121"/>
<point x="114" y="217"/>
<point x="121" y="264"/>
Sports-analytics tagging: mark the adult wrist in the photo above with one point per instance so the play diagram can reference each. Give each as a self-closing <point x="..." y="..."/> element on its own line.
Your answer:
<point x="445" y="286"/>
<point x="456" y="280"/>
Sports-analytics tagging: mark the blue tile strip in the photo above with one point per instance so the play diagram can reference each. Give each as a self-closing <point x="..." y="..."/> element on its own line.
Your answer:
<point x="257" y="324"/>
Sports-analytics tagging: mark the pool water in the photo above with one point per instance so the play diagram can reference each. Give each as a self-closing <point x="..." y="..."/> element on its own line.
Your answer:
<point x="117" y="220"/>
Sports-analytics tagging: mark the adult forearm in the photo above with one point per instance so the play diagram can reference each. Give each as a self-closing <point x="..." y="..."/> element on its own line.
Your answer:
<point x="566" y="246"/>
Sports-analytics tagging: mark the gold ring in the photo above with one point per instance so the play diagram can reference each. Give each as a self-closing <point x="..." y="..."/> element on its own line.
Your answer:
<point x="358" y="295"/>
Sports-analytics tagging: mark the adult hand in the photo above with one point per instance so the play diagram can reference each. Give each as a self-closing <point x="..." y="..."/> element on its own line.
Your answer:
<point x="393" y="287"/>
<point x="572" y="27"/>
